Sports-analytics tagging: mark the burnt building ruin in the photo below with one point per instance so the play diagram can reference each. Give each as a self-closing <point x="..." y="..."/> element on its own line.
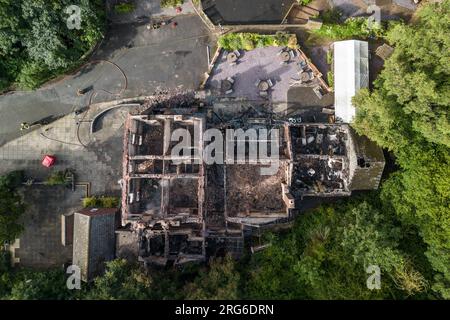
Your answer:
<point x="176" y="208"/>
<point x="164" y="201"/>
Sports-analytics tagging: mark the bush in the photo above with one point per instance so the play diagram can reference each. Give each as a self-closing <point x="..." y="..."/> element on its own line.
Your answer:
<point x="247" y="44"/>
<point x="32" y="75"/>
<point x="292" y="42"/>
<point x="122" y="8"/>
<point x="250" y="41"/>
<point x="101" y="202"/>
<point x="330" y="78"/>
<point x="351" y="28"/>
<point x="330" y="57"/>
<point x="57" y="178"/>
<point x="109" y="202"/>
<point x="171" y="3"/>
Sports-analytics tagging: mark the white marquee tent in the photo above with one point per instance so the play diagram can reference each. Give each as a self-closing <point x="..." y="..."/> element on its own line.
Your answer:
<point x="351" y="73"/>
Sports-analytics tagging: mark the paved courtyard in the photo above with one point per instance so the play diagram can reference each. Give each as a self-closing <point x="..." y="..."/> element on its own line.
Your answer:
<point x="252" y="66"/>
<point x="98" y="165"/>
<point x="40" y="244"/>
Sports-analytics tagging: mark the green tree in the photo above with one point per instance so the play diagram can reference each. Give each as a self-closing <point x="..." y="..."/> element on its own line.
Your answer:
<point x="11" y="207"/>
<point x="121" y="281"/>
<point x="271" y="272"/>
<point x="219" y="282"/>
<point x="40" y="285"/>
<point x="326" y="254"/>
<point x="407" y="113"/>
<point x="36" y="43"/>
<point x="412" y="94"/>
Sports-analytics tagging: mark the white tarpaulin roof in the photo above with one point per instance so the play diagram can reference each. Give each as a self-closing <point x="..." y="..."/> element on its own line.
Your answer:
<point x="351" y="73"/>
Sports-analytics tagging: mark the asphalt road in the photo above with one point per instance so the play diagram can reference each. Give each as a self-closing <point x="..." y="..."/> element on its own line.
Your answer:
<point x="151" y="59"/>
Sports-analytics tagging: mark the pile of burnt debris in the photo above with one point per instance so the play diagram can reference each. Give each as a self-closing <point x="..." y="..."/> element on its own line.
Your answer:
<point x="180" y="209"/>
<point x="321" y="165"/>
<point x="319" y="140"/>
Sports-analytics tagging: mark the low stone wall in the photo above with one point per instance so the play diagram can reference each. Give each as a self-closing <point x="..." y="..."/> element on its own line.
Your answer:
<point x="199" y="9"/>
<point x="210" y="67"/>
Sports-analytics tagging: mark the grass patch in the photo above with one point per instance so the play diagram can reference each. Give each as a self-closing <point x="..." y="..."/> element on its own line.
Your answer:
<point x="250" y="41"/>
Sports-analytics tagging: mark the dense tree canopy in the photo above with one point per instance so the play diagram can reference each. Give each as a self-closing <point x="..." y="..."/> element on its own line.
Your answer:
<point x="29" y="285"/>
<point x="413" y="91"/>
<point x="219" y="282"/>
<point x="125" y="281"/>
<point x="36" y="43"/>
<point x="121" y="281"/>
<point x="407" y="113"/>
<point x="326" y="255"/>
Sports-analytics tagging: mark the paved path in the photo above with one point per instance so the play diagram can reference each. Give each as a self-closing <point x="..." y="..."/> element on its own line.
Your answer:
<point x="163" y="58"/>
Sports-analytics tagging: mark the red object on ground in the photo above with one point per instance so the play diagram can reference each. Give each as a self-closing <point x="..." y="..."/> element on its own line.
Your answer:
<point x="174" y="24"/>
<point x="48" y="161"/>
<point x="178" y="9"/>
